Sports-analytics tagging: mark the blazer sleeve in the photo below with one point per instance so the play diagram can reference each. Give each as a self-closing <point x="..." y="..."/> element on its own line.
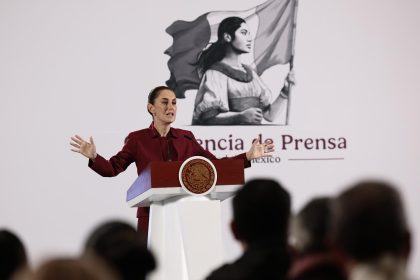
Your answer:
<point x="119" y="162"/>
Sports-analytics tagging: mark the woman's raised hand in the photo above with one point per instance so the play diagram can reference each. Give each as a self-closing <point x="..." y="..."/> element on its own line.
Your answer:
<point x="88" y="149"/>
<point x="258" y="150"/>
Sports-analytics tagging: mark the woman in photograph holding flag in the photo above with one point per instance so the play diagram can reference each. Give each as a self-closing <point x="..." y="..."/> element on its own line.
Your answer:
<point x="232" y="93"/>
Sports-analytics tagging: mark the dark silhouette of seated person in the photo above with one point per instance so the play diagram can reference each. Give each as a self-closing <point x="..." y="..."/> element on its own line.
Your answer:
<point x="371" y="232"/>
<point x="123" y="248"/>
<point x="310" y="232"/>
<point x="13" y="258"/>
<point x="261" y="211"/>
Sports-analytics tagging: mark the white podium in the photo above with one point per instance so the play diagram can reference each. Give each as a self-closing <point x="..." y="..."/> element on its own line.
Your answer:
<point x="185" y="231"/>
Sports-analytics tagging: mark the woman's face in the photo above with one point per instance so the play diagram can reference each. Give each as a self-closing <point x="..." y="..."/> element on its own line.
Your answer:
<point x="243" y="40"/>
<point x="164" y="107"/>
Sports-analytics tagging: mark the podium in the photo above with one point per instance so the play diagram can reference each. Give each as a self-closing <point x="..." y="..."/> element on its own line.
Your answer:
<point x="185" y="231"/>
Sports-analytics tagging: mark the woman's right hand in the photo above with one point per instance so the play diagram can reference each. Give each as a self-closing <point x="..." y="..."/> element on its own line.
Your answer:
<point x="251" y="116"/>
<point x="88" y="149"/>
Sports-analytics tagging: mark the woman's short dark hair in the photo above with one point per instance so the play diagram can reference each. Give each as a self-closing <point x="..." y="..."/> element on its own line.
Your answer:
<point x="217" y="50"/>
<point x="154" y="93"/>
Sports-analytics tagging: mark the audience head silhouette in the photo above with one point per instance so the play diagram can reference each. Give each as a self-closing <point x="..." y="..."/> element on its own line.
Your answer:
<point x="122" y="247"/>
<point x="311" y="226"/>
<point x="370" y="221"/>
<point x="370" y="231"/>
<point x="12" y="254"/>
<point x="261" y="211"/>
<point x="311" y="240"/>
<point x="65" y="268"/>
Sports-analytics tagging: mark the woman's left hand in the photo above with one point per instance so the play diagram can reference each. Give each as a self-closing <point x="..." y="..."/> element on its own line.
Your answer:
<point x="288" y="83"/>
<point x="290" y="79"/>
<point x="258" y="150"/>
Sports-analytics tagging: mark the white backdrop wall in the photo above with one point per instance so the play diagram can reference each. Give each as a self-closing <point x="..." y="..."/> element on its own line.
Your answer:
<point x="86" y="67"/>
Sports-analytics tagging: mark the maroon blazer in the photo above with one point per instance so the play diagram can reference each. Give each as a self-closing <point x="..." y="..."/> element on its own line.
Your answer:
<point x="145" y="146"/>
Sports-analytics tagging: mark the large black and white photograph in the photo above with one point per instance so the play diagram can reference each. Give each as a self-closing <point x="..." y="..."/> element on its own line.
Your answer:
<point x="222" y="55"/>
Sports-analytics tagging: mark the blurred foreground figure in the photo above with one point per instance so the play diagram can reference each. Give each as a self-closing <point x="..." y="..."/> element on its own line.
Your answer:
<point x="261" y="211"/>
<point x="310" y="231"/>
<point x="13" y="258"/>
<point x="371" y="232"/>
<point x="74" y="269"/>
<point x="122" y="248"/>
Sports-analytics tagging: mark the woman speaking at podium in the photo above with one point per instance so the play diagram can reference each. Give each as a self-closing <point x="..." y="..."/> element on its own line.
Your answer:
<point x="159" y="142"/>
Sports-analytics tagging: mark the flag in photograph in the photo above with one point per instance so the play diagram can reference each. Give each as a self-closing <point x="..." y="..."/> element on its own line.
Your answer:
<point x="272" y="23"/>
